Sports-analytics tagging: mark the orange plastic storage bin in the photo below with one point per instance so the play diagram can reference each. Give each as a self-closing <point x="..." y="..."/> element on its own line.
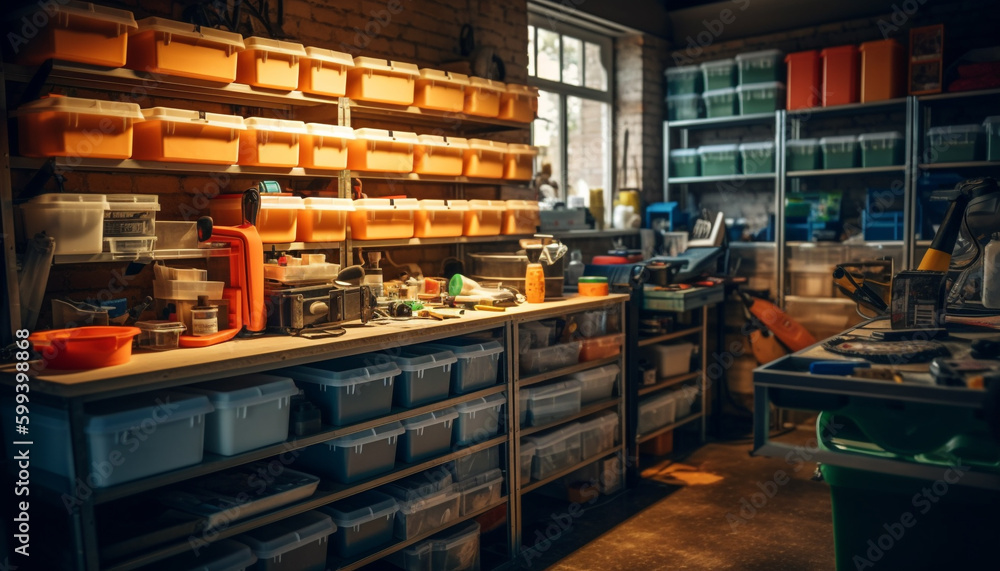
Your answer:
<point x="882" y="70"/>
<point x="270" y="63"/>
<point x="74" y="31"/>
<point x="56" y="126"/>
<point x="324" y="72"/>
<point x="381" y="151"/>
<point x="439" y="218"/>
<point x="804" y="80"/>
<point x="324" y="146"/>
<point x="383" y="218"/>
<point x="271" y="142"/>
<point x="440" y="90"/>
<point x="519" y="162"/>
<point x="518" y="103"/>
<point x="186" y="136"/>
<point x="278" y="218"/>
<point x="484" y="218"/>
<point x="323" y="219"/>
<point x="601" y="347"/>
<point x="840" y="75"/>
<point x="381" y="81"/>
<point x="484" y="159"/>
<point x="165" y="46"/>
<point x="439" y="155"/>
<point x="520" y="217"/>
<point x="482" y="97"/>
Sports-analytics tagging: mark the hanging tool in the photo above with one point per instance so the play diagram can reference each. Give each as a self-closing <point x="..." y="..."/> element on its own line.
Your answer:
<point x="790" y="332"/>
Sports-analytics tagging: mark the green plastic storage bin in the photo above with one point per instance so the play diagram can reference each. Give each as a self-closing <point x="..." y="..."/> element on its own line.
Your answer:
<point x="761" y="97"/>
<point x="719" y="160"/>
<point x="881" y="149"/>
<point x="720" y="102"/>
<point x="684" y="163"/>
<point x="760" y="67"/>
<point x="683" y="107"/>
<point x="757" y="157"/>
<point x="840" y="152"/>
<point x="719" y="74"/>
<point x="683" y="80"/>
<point x="992" y="127"/>
<point x="802" y="154"/>
<point x="954" y="144"/>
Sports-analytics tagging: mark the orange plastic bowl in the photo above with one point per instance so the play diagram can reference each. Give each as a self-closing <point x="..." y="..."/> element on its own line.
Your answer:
<point x="85" y="347"/>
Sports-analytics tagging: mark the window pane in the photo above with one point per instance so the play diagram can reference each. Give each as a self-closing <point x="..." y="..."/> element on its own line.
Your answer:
<point x="587" y="147"/>
<point x="547" y="64"/>
<point x="531" y="50"/>
<point x="572" y="65"/>
<point x="546" y="134"/>
<point x="594" y="72"/>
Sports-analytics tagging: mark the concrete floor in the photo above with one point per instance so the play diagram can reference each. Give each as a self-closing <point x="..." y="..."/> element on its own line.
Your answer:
<point x="708" y="524"/>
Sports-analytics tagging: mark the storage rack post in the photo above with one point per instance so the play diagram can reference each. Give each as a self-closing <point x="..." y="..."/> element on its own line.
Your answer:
<point x="12" y="311"/>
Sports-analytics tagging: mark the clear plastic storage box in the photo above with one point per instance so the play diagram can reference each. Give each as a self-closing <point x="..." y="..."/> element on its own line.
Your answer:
<point x="684" y="163"/>
<point x="598" y="434"/>
<point x="426" y="435"/>
<point x="298" y="543"/>
<point x="881" y="149"/>
<point x="222" y="555"/>
<point x="656" y="411"/>
<point x="426" y="511"/>
<point x="534" y="361"/>
<point x="364" y="522"/>
<point x="347" y="390"/>
<point x="757" y="157"/>
<point x="159" y="335"/>
<point x="670" y="359"/>
<point x="684" y="399"/>
<point x="683" y="79"/>
<point x="425" y="375"/>
<point x="555" y="450"/>
<point x="683" y="107"/>
<point x="718" y="74"/>
<point x="954" y="143"/>
<point x="354" y="457"/>
<point x="840" y="152"/>
<point x="719" y="160"/>
<point x="480" y="491"/>
<point x="720" y="102"/>
<point x="74" y="220"/>
<point x="552" y="402"/>
<point x="477" y="364"/>
<point x="478" y="420"/>
<point x="597" y="384"/>
<point x="760" y="66"/>
<point x="761" y="97"/>
<point x="803" y="154"/>
<point x="456" y="549"/>
<point x="472" y="465"/>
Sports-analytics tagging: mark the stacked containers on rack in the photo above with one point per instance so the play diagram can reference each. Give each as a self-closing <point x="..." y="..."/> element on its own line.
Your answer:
<point x="324" y="72"/>
<point x="757" y="157"/>
<point x="348" y="390"/>
<point x="168" y="47"/>
<point x="555" y="450"/>
<point x="439" y="218"/>
<point x="519" y="161"/>
<point x="482" y="97"/>
<point x="839" y="152"/>
<point x="440" y="90"/>
<point x="520" y="217"/>
<point x="552" y="402"/>
<point x="278" y="219"/>
<point x="273" y="64"/>
<point x="804" y="81"/>
<point x="427" y="501"/>
<point x="881" y="149"/>
<point x="381" y="150"/>
<point x="425" y="375"/>
<point x="58" y="126"/>
<point x="881" y="70"/>
<point x="382" y="81"/>
<point x="478" y="420"/>
<point x="130" y="223"/>
<point x="364" y="522"/>
<point x="763" y="97"/>
<point x="297" y="543"/>
<point x="719" y="160"/>
<point x="354" y="457"/>
<point x="79" y="32"/>
<point x="484" y="218"/>
<point x="186" y="136"/>
<point x="841" y="77"/>
<point x="684" y="163"/>
<point x="954" y="143"/>
<point x="720" y="102"/>
<point x="802" y="154"/>
<point x="484" y="159"/>
<point x="383" y="218"/>
<point x="324" y="146"/>
<point x="684" y="87"/>
<point x="518" y="103"/>
<point x="426" y="435"/>
<point x="718" y="74"/>
<point x="598" y="434"/>
<point x="270" y="142"/>
<point x="760" y="89"/>
<point x="437" y="155"/>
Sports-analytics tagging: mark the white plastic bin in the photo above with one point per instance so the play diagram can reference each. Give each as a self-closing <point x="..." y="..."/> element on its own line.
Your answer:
<point x="549" y="358"/>
<point x="555" y="450"/>
<point x="670" y="360"/>
<point x="76" y="221"/>
<point x="298" y="543"/>
<point x="426" y="511"/>
<point x="425" y="375"/>
<point x="684" y="398"/>
<point x="477" y="362"/>
<point x="364" y="522"/>
<point x="478" y="420"/>
<point x="597" y="384"/>
<point x="656" y="411"/>
<point x="598" y="434"/>
<point x="250" y="411"/>
<point x="354" y="457"/>
<point x="426" y="435"/>
<point x="131" y="215"/>
<point x="347" y="390"/>
<point x="480" y="491"/>
<point x="552" y="402"/>
<point x="472" y="465"/>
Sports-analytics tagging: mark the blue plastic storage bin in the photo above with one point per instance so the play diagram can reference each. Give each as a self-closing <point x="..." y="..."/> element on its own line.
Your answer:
<point x="477" y="362"/>
<point x="347" y="390"/>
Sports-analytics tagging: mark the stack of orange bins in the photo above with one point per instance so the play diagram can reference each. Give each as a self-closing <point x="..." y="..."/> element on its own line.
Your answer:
<point x="881" y="70"/>
<point x="804" y="80"/>
<point x="840" y="75"/>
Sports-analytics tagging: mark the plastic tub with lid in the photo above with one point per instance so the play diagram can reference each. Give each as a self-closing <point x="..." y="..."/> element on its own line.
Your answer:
<point x="477" y="362"/>
<point x="684" y="163"/>
<point x="169" y="47"/>
<point x="383" y="218"/>
<point x="718" y="74"/>
<point x="684" y="398"/>
<point x="74" y="31"/>
<point x="597" y="384"/>
<point x="159" y="335"/>
<point x="720" y="102"/>
<point x="670" y="359"/>
<point x="601" y="347"/>
<point x="381" y="150"/>
<point x="656" y="412"/>
<point x="278" y="218"/>
<point x="324" y="146"/>
<point x="129" y="244"/>
<point x="382" y="81"/>
<point x="472" y="465"/>
<point x="440" y="90"/>
<point x="520" y="217"/>
<point x="555" y="450"/>
<point x="803" y="154"/>
<point x="482" y="97"/>
<point x="484" y="159"/>
<point x="519" y="161"/>
<point x="480" y="491"/>
<point x="841" y="76"/>
<point x="536" y="361"/>
<point x="719" y="159"/>
<point x="439" y="155"/>
<point x="761" y="97"/>
<point x="882" y="70"/>
<point x="426" y="512"/>
<point x="684" y="107"/>
<point x="324" y="72"/>
<point x="954" y="143"/>
<point x="354" y="457"/>
<point x="58" y="126"/>
<point x="297" y="543"/>
<point x="323" y="219"/>
<point x="250" y="411"/>
<point x="439" y="218"/>
<point x="760" y="66"/>
<point x="757" y="157"/>
<point x="840" y="152"/>
<point x="364" y="522"/>
<point x="484" y="218"/>
<point x="518" y="103"/>
<point x="270" y="63"/>
<point x="348" y="390"/>
<point x="221" y="555"/>
<point x="426" y="435"/>
<point x="270" y="142"/>
<point x="552" y="402"/>
<point x="184" y="290"/>
<point x="804" y="80"/>
<point x="598" y="434"/>
<point x="881" y="149"/>
<point x="456" y="548"/>
<point x="186" y="136"/>
<point x="478" y="420"/>
<point x="683" y="80"/>
<point x="76" y="221"/>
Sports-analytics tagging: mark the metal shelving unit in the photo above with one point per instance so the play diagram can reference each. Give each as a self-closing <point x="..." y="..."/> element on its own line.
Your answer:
<point x="850" y="171"/>
<point x="719" y="178"/>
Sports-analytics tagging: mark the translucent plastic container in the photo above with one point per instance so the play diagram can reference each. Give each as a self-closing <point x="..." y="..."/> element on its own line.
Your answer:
<point x="251" y="411"/>
<point x="76" y="31"/>
<point x="381" y="150"/>
<point x="597" y="384"/>
<point x="480" y="491"/>
<point x="519" y="161"/>
<point x="656" y="412"/>
<point x="804" y="80"/>
<point x="518" y="103"/>
<point x="601" y="347"/>
<point x="761" y="97"/>
<point x="482" y="97"/>
<point x="760" y="66"/>
<point x="324" y="72"/>
<point x="270" y="63"/>
<point x="324" y="146"/>
<point x="840" y="152"/>
<point x="297" y="543"/>
<point x="438" y="155"/>
<point x="954" y="143"/>
<point x="536" y="361"/>
<point x="598" y="434"/>
<point x="484" y="159"/>
<point x="484" y="218"/>
<point x="757" y="157"/>
<point x="552" y="402"/>
<point x="472" y="465"/>
<point x="323" y="219"/>
<point x="168" y="47"/>
<point x="381" y="81"/>
<point x="881" y="149"/>
<point x="683" y="80"/>
<point x="720" y="102"/>
<point x="719" y="160"/>
<point x="684" y="107"/>
<point x="456" y="549"/>
<point x="131" y="208"/>
<point x="670" y="360"/>
<point x="221" y="555"/>
<point x="684" y="398"/>
<point x="183" y="290"/>
<point x="355" y="457"/>
<point x="159" y="335"/>
<point x="426" y="436"/>
<point x="58" y="126"/>
<point x="364" y="522"/>
<point x="477" y="364"/>
<point x="186" y="136"/>
<point x="315" y="272"/>
<point x="348" y="390"/>
<point x="427" y="512"/>
<point x="841" y="75"/>
<point x="278" y="219"/>
<point x="270" y="142"/>
<point x="439" y="218"/>
<point x="555" y="450"/>
<point x="882" y="70"/>
<point x="684" y="163"/>
<point x="992" y="127"/>
<point x="478" y="420"/>
<point x="425" y="375"/>
<point x="526" y="460"/>
<point x="719" y="74"/>
<point x="520" y="217"/>
<point x="803" y="154"/>
<point x="383" y="218"/>
<point x="440" y="90"/>
<point x="76" y="221"/>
